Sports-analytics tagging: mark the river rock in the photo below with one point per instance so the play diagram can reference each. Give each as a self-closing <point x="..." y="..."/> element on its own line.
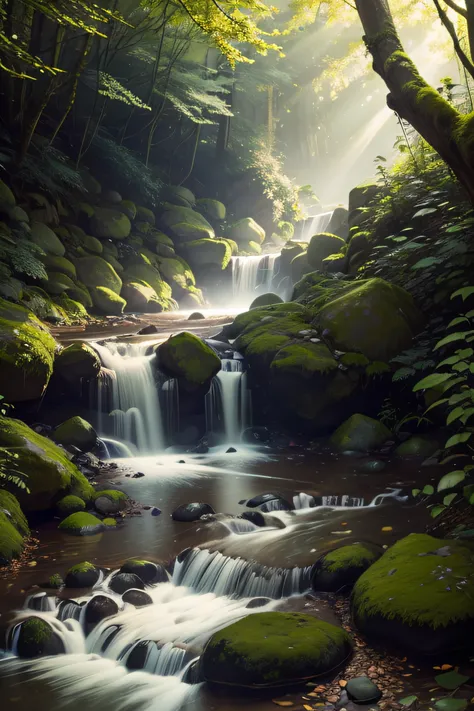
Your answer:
<point x="196" y="316"/>
<point x="257" y="602"/>
<point x="145" y="570"/>
<point x="81" y="524"/>
<point x="270" y="499"/>
<point x="262" y="519"/>
<point x="417" y="446"/>
<point x="110" y="501"/>
<point x="137" y="598"/>
<point x="82" y="575"/>
<point x="274" y="649"/>
<point x="98" y="608"/>
<point x="341" y="567"/>
<point x="76" y="432"/>
<point x="138" y="654"/>
<point x="362" y="690"/>
<point x="37" y="638"/>
<point x="121" y="582"/>
<point x="188" y="358"/>
<point x="191" y="512"/>
<point x="418" y="597"/>
<point x="360" y="433"/>
<point x="76" y="362"/>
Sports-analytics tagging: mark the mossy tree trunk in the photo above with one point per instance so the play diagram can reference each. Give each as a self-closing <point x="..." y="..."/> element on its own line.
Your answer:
<point x="448" y="131"/>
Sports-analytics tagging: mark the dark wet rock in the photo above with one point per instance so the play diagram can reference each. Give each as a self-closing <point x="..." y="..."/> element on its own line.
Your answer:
<point x="201" y="448"/>
<point x="273" y="649"/>
<point x="191" y="512"/>
<point x="268" y="502"/>
<point x="371" y="466"/>
<point x="37" y="638"/>
<point x="137" y="598"/>
<point x="256" y="435"/>
<point x="146" y="330"/>
<point x="231" y="450"/>
<point x="155" y="511"/>
<point x="111" y="634"/>
<point x="360" y="433"/>
<point x="138" y="655"/>
<point x="262" y="519"/>
<point x="263" y="499"/>
<point x="341" y="568"/>
<point x="98" y="608"/>
<point x="257" y="602"/>
<point x="417" y="446"/>
<point x="181" y="557"/>
<point x="196" y="316"/>
<point x="82" y="575"/>
<point x="121" y="582"/>
<point x="181" y="461"/>
<point x="192" y="675"/>
<point x="362" y="690"/>
<point x="138" y="475"/>
<point x="146" y="570"/>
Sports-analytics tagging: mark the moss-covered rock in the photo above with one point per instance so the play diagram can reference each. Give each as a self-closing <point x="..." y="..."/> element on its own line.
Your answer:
<point x="185" y="225"/>
<point x="95" y="271"/>
<point x="417" y="446"/>
<point x="246" y="230"/>
<point x="107" y="301"/>
<point x="92" y="244"/>
<point x="57" y="283"/>
<point x="44" y="237"/>
<point x="141" y="272"/>
<point x="112" y="224"/>
<point x="35" y="637"/>
<point x="48" y="472"/>
<point x="13" y="528"/>
<point x="273" y="649"/>
<point x="179" y="275"/>
<point x="81" y="524"/>
<point x="265" y="300"/>
<point x="249" y="320"/>
<point x="26" y="354"/>
<point x="7" y="199"/>
<point x="80" y="293"/>
<point x="145" y="570"/>
<point x="177" y="195"/>
<point x="82" y="575"/>
<point x="418" y="596"/>
<point x="42" y="305"/>
<point x="375" y="318"/>
<point x="188" y="358"/>
<point x="205" y="252"/>
<point x="59" y="264"/>
<point x="18" y="214"/>
<point x="109" y="522"/>
<point x="300" y="266"/>
<point x="76" y="432"/>
<point x="362" y="195"/>
<point x="321" y="246"/>
<point x="251" y="248"/>
<point x="141" y="298"/>
<point x="77" y="361"/>
<point x="212" y="209"/>
<point x="110" y="501"/>
<point x="69" y="505"/>
<point x="341" y="567"/>
<point x="74" y="309"/>
<point x="128" y="208"/>
<point x="360" y="434"/>
<point x="11" y="288"/>
<point x="144" y="214"/>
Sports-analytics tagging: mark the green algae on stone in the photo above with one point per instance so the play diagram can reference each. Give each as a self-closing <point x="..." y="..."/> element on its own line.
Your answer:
<point x="418" y="596"/>
<point x="77" y="432"/>
<point x="70" y="504"/>
<point x="37" y="638"/>
<point x="265" y="300"/>
<point x="212" y="209"/>
<point x="107" y="301"/>
<point x="246" y="230"/>
<point x="95" y="271"/>
<point x="109" y="223"/>
<point x="54" y="263"/>
<point x="202" y="252"/>
<point x="109" y="522"/>
<point x="272" y="649"/>
<point x="341" y="567"/>
<point x="81" y="524"/>
<point x="187" y="357"/>
<point x="417" y="446"/>
<point x="184" y="224"/>
<point x="77" y="361"/>
<point x="322" y="245"/>
<point x="44" y="237"/>
<point x="360" y="433"/>
<point x="82" y="575"/>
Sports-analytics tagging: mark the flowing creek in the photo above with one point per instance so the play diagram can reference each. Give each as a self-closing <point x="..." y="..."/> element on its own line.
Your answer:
<point x="142" y="659"/>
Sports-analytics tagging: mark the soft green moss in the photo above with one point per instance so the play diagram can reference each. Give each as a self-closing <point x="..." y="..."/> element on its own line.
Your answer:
<point x="321" y="246"/>
<point x="247" y="230"/>
<point x="81" y="523"/>
<point x="184" y="224"/>
<point x="44" y="237"/>
<point x="74" y="310"/>
<point x="265" y="300"/>
<point x="59" y="264"/>
<point x="187" y="357"/>
<point x="77" y="361"/>
<point x="11" y="540"/>
<point x="76" y="431"/>
<point x="255" y="316"/>
<point x="109" y="522"/>
<point x="35" y="631"/>
<point x="55" y="581"/>
<point x="145" y="215"/>
<point x="112" y="494"/>
<point x="410" y="583"/>
<point x="213" y="209"/>
<point x="107" y="301"/>
<point x="360" y="433"/>
<point x="9" y="503"/>
<point x="202" y="252"/>
<point x="70" y="504"/>
<point x="84" y="567"/>
<point x="266" y="346"/>
<point x="355" y="555"/>
<point x="288" y="325"/>
<point x="307" y="359"/>
<point x="112" y="224"/>
<point x="95" y="271"/>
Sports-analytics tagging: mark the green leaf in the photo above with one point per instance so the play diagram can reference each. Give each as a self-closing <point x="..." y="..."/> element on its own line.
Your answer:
<point x="451" y="479"/>
<point x="465" y="292"/>
<point x="458" y="336"/>
<point x="448" y="499"/>
<point x="455" y="414"/>
<point x="459" y="397"/>
<point x="431" y="381"/>
<point x="456" y="321"/>
<point x="425" y="211"/>
<point x="455" y="228"/>
<point x="436" y="511"/>
<point x="408" y="700"/>
<point x="461" y="367"/>
<point x="415" y="492"/>
<point x="435" y="404"/>
<point x="426" y="262"/>
<point x="458" y="439"/>
<point x="428" y="490"/>
<point x="468" y="412"/>
<point x="450" y="704"/>
<point x="451" y="680"/>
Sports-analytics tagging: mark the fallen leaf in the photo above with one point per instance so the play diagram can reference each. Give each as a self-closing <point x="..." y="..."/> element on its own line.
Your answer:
<point x="313" y="694"/>
<point x="342" y="683"/>
<point x="387" y="528"/>
<point x="445" y="667"/>
<point x="283" y="703"/>
<point x="308" y="708"/>
<point x="451" y="680"/>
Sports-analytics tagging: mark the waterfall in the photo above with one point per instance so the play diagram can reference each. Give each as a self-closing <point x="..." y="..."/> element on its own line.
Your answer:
<point x="252" y="276"/>
<point x="127" y="391"/>
<point x="315" y="225"/>
<point x="227" y="402"/>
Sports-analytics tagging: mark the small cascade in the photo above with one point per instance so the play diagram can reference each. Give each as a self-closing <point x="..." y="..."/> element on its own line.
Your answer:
<point x="170" y="406"/>
<point x="340" y="501"/>
<point x="315" y="225"/>
<point x="227" y="403"/>
<point x="303" y="501"/>
<point x="252" y="276"/>
<point x="127" y="396"/>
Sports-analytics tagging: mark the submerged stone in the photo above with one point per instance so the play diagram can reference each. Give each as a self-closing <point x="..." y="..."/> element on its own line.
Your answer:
<point x="362" y="690"/>
<point x="187" y="513"/>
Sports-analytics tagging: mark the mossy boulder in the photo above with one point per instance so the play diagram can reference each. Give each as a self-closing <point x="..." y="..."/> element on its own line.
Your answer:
<point x="188" y="358"/>
<point x="107" y="301"/>
<point x="360" y="434"/>
<point x="265" y="300"/>
<point x="179" y="275"/>
<point x="26" y="354"/>
<point x="18" y="214"/>
<point x="49" y="474"/>
<point x="142" y="272"/>
<point x="321" y="246"/>
<point x="202" y="253"/>
<point x="128" y="208"/>
<point x="74" y="310"/>
<point x="300" y="266"/>
<point x="95" y="271"/>
<point x="375" y="318"/>
<point x="362" y="195"/>
<point x="144" y="214"/>
<point x="76" y="362"/>
<point x="141" y="297"/>
<point x="44" y="237"/>
<point x="251" y="248"/>
<point x="81" y="524"/>
<point x="110" y="224"/>
<point x="185" y="225"/>
<point x="80" y="293"/>
<point x="82" y="575"/>
<point x="35" y="637"/>
<point x="92" y="244"/>
<point x="13" y="528"/>
<point x="76" y="432"/>
<point x="341" y="567"/>
<point x="418" y="597"/>
<point x="57" y="283"/>
<point x="59" y="264"/>
<point x="212" y="209"/>
<point x="110" y="501"/>
<point x="11" y="288"/>
<point x="246" y="230"/>
<point x="69" y="505"/>
<point x="109" y="522"/>
<point x="177" y="195"/>
<point x="417" y="446"/>
<point x="42" y="305"/>
<point x="7" y="199"/>
<point x="272" y="649"/>
<point x="147" y="571"/>
<point x="121" y="582"/>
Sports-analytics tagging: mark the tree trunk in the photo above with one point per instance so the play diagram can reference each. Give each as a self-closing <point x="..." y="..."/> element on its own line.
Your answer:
<point x="449" y="132"/>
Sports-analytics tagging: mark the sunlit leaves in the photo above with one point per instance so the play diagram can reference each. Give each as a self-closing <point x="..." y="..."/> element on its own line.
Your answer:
<point x="432" y="381"/>
<point x="448" y="481"/>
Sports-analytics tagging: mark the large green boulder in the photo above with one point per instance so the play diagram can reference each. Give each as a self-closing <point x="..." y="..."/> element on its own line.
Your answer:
<point x="149" y="276"/>
<point x="265" y="300"/>
<point x="77" y="362"/>
<point x="141" y="297"/>
<point x="202" y="253"/>
<point x="109" y="223"/>
<point x="80" y="293"/>
<point x="35" y="637"/>
<point x="49" y="474"/>
<point x="188" y="358"/>
<point x="13" y="528"/>
<point x="7" y="199"/>
<point x="417" y="446"/>
<point x="107" y="301"/>
<point x="246" y="230"/>
<point x="288" y="253"/>
<point x="59" y="264"/>
<point x="375" y="318"/>
<point x="76" y="432"/>
<point x="57" y="283"/>
<point x="419" y="597"/>
<point x="92" y="244"/>
<point x="95" y="271"/>
<point x="179" y="275"/>
<point x="44" y="237"/>
<point x="185" y="225"/>
<point x="26" y="354"/>
<point x="362" y="195"/>
<point x="144" y="214"/>
<point x="82" y="524"/>
<point x="360" y="434"/>
<point x="128" y="208"/>
<point x="42" y="306"/>
<point x="322" y="246"/>
<point x="177" y="195"/>
<point x="273" y="649"/>
<point x="212" y="209"/>
<point x="340" y="568"/>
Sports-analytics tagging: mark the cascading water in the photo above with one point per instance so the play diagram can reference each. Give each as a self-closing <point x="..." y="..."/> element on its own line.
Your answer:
<point x="227" y="403"/>
<point x="127" y="397"/>
<point x="252" y="276"/>
<point x="315" y="225"/>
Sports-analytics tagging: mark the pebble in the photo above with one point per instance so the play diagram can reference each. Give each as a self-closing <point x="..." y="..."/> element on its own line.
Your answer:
<point x="155" y="511"/>
<point x="138" y="475"/>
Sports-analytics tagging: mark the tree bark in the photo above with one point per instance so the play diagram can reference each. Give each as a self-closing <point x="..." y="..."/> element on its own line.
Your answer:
<point x="449" y="132"/>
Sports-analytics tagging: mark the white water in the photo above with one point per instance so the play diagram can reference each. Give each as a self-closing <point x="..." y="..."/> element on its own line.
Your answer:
<point x="252" y="276"/>
<point x="227" y="403"/>
<point x="315" y="225"/>
<point x="128" y="393"/>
